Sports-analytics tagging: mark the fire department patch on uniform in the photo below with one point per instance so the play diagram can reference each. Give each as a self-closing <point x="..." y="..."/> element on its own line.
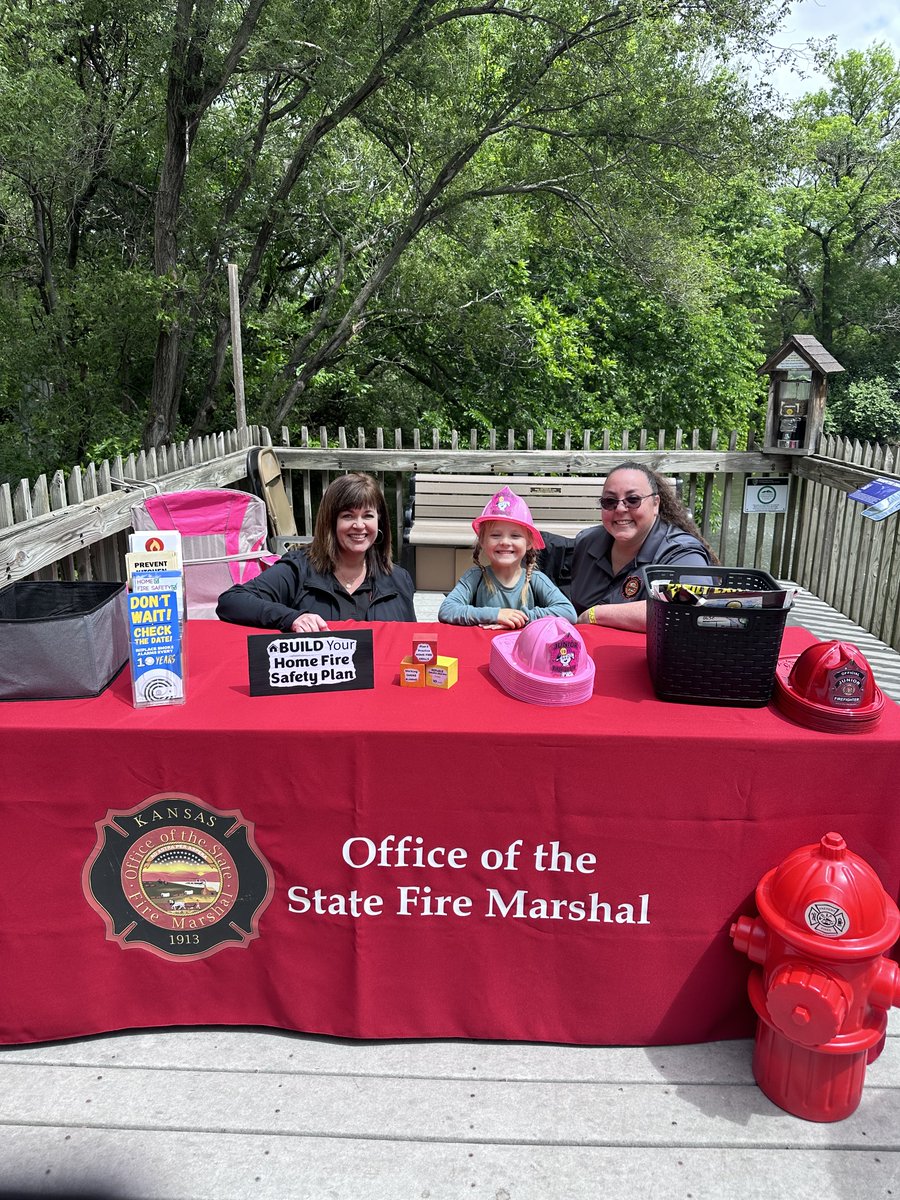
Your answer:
<point x="631" y="587"/>
<point x="177" y="877"/>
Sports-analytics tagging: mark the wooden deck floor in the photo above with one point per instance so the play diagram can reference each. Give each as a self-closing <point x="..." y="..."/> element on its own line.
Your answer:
<point x="233" y="1114"/>
<point x="236" y="1113"/>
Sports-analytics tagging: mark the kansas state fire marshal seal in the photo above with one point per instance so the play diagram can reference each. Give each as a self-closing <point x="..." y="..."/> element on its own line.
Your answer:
<point x="178" y="878"/>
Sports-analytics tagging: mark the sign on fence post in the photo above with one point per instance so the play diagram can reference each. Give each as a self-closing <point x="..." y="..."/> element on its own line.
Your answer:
<point x="766" y="493"/>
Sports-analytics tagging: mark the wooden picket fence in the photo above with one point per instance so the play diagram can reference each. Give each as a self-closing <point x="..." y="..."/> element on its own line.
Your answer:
<point x="74" y="526"/>
<point x="847" y="560"/>
<point x="712" y="473"/>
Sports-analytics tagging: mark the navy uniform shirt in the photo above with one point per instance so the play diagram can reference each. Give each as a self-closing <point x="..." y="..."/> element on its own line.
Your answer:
<point x="593" y="578"/>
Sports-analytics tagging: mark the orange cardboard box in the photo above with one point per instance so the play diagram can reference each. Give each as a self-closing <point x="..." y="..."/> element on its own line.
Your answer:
<point x="412" y="673"/>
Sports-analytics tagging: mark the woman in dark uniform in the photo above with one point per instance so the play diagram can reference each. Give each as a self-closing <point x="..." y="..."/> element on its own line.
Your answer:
<point x="345" y="574"/>
<point x="643" y="522"/>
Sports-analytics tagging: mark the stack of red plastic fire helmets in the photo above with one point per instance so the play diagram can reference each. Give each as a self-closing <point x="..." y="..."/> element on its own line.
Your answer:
<point x="545" y="663"/>
<point x="829" y="687"/>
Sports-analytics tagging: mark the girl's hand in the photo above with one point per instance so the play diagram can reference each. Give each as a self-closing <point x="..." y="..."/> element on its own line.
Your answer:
<point x="511" y="618"/>
<point x="308" y="623"/>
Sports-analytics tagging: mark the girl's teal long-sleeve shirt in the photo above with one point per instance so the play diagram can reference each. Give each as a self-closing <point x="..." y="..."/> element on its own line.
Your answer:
<point x="473" y="603"/>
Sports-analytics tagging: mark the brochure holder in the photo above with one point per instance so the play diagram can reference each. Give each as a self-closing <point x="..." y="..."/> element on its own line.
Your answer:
<point x="157" y="660"/>
<point x="156" y="618"/>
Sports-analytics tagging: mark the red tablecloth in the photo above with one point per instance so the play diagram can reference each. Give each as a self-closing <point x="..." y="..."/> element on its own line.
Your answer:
<point x="594" y="856"/>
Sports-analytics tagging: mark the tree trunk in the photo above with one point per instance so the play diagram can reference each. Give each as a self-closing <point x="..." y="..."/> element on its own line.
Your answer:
<point x="825" y="315"/>
<point x="185" y="69"/>
<point x="162" y="417"/>
<point x="190" y="93"/>
<point x="410" y="29"/>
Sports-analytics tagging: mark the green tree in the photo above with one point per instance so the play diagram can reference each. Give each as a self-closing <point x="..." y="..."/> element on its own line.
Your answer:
<point x="403" y="128"/>
<point x="868" y="409"/>
<point x="77" y="303"/>
<point x="841" y="190"/>
<point x="618" y="144"/>
<point x="430" y="203"/>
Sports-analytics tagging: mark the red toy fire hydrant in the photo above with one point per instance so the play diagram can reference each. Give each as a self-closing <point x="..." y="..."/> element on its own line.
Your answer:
<point x="824" y="989"/>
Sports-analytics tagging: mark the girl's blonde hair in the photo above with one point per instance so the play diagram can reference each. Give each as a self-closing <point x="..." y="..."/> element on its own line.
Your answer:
<point x="529" y="559"/>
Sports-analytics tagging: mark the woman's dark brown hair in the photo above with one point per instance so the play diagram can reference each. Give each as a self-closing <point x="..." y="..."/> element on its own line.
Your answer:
<point x="356" y="490"/>
<point x="671" y="509"/>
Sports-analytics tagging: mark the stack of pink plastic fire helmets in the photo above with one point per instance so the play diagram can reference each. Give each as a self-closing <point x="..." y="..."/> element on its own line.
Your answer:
<point x="546" y="662"/>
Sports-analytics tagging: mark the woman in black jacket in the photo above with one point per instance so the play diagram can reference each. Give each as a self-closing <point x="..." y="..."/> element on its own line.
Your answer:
<point x="345" y="574"/>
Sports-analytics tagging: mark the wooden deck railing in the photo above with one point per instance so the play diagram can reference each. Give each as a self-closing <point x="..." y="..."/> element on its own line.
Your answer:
<point x="74" y="527"/>
<point x="69" y="528"/>
<point x="713" y="473"/>
<point x="849" y="561"/>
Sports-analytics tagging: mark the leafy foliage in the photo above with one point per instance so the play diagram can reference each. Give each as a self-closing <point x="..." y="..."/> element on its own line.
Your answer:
<point x="869" y="410"/>
<point x="485" y="215"/>
<point x="841" y="191"/>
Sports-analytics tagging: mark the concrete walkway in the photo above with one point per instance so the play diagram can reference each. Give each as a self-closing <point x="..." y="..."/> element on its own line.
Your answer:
<point x="232" y="1114"/>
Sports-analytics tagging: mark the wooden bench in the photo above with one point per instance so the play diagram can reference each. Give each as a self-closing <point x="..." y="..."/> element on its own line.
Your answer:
<point x="442" y="508"/>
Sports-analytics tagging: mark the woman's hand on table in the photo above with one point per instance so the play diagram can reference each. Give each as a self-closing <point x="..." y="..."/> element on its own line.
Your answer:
<point x="511" y="618"/>
<point x="309" y="623"/>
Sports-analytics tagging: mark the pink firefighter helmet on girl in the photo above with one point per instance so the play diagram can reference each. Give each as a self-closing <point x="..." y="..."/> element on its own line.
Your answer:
<point x="507" y="506"/>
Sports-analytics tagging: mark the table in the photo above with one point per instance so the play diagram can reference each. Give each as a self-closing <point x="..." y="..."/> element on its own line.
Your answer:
<point x="405" y="863"/>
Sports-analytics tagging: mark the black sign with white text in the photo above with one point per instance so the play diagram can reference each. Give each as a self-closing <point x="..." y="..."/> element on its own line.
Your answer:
<point x="310" y="662"/>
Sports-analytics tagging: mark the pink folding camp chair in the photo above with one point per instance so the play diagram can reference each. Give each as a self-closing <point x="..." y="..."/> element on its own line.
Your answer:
<point x="223" y="539"/>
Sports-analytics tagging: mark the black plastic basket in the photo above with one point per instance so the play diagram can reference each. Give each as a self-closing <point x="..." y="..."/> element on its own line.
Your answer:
<point x="695" y="661"/>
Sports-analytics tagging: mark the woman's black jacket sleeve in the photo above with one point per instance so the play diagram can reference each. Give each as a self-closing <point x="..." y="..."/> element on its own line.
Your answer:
<point x="292" y="586"/>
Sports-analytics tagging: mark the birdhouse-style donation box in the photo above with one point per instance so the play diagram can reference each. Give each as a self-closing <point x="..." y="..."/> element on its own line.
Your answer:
<point x="798" y="384"/>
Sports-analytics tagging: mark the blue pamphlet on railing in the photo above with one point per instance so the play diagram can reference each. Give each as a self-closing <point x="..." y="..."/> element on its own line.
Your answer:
<point x="884" y="508"/>
<point x="875" y="490"/>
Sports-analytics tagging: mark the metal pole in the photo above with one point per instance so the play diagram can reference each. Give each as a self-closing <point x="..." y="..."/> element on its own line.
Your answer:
<point x="237" y="354"/>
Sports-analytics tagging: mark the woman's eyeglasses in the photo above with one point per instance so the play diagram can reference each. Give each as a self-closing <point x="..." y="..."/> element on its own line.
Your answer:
<point x="611" y="502"/>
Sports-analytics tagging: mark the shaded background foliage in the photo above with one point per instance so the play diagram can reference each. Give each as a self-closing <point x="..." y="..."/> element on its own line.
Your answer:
<point x="490" y="215"/>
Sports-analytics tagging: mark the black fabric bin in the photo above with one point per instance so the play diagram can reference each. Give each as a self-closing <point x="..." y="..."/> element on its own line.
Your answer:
<point x="61" y="641"/>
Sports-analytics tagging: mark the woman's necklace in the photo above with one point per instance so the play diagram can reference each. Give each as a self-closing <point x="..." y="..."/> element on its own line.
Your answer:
<point x="350" y="580"/>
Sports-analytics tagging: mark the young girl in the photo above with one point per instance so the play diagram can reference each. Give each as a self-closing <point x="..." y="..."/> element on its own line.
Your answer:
<point x="507" y="590"/>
